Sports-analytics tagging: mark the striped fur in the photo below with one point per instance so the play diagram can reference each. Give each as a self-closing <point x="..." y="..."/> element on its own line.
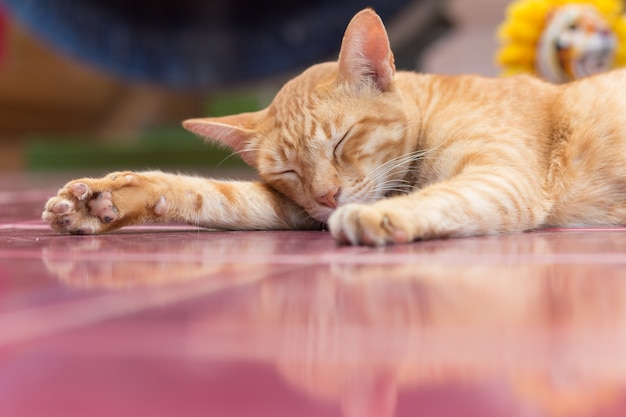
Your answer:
<point x="387" y="157"/>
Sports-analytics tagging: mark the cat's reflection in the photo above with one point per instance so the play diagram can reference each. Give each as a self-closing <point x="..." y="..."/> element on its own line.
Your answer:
<point x="357" y="335"/>
<point x="119" y="261"/>
<point x="556" y="337"/>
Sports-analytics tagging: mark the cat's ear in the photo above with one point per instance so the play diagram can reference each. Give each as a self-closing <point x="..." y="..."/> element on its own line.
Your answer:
<point x="238" y="132"/>
<point x="365" y="52"/>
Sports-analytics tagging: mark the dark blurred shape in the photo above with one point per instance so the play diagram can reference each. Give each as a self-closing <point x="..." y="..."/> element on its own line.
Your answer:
<point x="197" y="43"/>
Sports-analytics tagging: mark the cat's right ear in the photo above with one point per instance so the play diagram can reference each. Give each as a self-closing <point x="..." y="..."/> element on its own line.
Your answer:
<point x="236" y="132"/>
<point x="365" y="54"/>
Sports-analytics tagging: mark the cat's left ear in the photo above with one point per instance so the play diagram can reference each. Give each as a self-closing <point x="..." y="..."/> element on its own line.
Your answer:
<point x="237" y="132"/>
<point x="365" y="52"/>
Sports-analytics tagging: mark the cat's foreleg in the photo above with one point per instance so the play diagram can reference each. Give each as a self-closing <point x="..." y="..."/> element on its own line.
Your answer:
<point x="468" y="205"/>
<point x="88" y="206"/>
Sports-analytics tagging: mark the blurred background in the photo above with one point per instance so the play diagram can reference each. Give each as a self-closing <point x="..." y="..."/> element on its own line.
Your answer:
<point x="104" y="84"/>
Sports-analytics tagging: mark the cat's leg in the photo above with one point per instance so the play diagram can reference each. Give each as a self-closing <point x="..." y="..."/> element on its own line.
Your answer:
<point x="88" y="206"/>
<point x="474" y="204"/>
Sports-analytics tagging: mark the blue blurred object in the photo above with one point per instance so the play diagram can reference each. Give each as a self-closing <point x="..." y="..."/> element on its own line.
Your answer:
<point x="195" y="43"/>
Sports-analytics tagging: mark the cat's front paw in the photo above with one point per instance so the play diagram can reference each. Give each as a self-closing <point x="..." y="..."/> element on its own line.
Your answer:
<point x="369" y="224"/>
<point x="90" y="206"/>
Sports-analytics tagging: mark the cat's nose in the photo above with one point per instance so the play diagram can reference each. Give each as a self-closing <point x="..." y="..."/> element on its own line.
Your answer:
<point x="329" y="199"/>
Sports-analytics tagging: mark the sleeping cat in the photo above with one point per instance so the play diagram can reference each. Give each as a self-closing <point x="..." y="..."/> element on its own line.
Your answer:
<point x="381" y="157"/>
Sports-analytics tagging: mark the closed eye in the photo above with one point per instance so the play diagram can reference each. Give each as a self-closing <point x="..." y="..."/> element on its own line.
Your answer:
<point x="339" y="145"/>
<point x="287" y="173"/>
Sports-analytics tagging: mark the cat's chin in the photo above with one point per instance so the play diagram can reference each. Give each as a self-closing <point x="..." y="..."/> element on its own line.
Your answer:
<point x="323" y="219"/>
<point x="321" y="215"/>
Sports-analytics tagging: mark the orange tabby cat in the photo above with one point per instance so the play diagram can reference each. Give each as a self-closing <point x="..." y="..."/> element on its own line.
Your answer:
<point x="382" y="157"/>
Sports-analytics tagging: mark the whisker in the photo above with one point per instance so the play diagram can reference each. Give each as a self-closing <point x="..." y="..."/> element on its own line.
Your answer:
<point x="400" y="166"/>
<point x="396" y="164"/>
<point x="237" y="153"/>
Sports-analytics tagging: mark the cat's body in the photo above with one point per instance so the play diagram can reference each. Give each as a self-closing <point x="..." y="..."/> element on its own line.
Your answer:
<point x="382" y="156"/>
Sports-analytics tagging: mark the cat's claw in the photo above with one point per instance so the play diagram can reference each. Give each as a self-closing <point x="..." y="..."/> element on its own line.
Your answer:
<point x="362" y="224"/>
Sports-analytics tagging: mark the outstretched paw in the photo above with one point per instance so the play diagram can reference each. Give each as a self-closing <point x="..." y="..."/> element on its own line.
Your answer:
<point x="369" y="224"/>
<point x="89" y="206"/>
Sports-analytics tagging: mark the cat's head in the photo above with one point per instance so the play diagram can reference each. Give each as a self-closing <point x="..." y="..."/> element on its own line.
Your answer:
<point x="331" y="134"/>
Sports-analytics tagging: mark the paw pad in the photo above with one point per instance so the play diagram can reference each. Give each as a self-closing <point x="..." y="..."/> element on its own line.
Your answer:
<point x="64" y="222"/>
<point x="101" y="206"/>
<point x="161" y="206"/>
<point x="77" y="209"/>
<point x="62" y="207"/>
<point x="79" y="190"/>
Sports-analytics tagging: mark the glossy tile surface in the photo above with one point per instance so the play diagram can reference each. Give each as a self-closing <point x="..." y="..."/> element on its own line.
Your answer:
<point x="175" y="321"/>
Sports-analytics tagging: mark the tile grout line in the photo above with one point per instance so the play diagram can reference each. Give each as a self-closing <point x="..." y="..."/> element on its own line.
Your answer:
<point x="333" y="258"/>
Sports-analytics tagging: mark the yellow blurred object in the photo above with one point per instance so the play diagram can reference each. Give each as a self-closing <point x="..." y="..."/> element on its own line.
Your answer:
<point x="562" y="40"/>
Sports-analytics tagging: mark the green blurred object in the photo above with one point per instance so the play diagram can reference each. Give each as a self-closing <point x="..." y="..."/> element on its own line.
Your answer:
<point x="164" y="148"/>
<point x="174" y="148"/>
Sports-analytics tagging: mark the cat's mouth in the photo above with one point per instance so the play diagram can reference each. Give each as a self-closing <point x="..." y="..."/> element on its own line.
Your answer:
<point x="322" y="217"/>
<point x="321" y="213"/>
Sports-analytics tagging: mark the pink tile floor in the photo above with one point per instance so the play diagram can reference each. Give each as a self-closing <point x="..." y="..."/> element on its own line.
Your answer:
<point x="175" y="321"/>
